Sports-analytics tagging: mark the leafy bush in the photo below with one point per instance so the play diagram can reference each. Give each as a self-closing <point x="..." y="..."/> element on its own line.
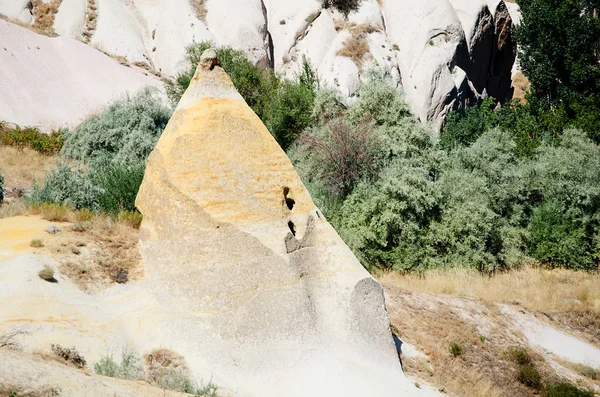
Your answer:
<point x="289" y="112"/>
<point x="529" y="376"/>
<point x="105" y="186"/>
<point x="565" y="226"/>
<point x="127" y="131"/>
<point x="31" y="137"/>
<point x="343" y="6"/>
<point x="566" y="389"/>
<point x="519" y="355"/>
<point x="482" y="200"/>
<point x="67" y="186"/>
<point x="117" y="185"/>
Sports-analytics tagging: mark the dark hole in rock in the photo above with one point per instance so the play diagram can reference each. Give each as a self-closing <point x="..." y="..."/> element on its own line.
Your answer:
<point x="288" y="200"/>
<point x="290" y="203"/>
<point x="292" y="227"/>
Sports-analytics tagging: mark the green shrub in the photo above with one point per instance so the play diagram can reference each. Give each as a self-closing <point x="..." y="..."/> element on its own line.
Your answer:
<point x="105" y="187"/>
<point x="529" y="376"/>
<point x="482" y="202"/>
<point x="343" y="6"/>
<point x="519" y="355"/>
<point x="67" y="186"/>
<point x="563" y="182"/>
<point x="455" y="349"/>
<point x="127" y="131"/>
<point x="31" y="137"/>
<point x="566" y="389"/>
<point x="130" y="366"/>
<point x="289" y="112"/>
<point x="118" y="184"/>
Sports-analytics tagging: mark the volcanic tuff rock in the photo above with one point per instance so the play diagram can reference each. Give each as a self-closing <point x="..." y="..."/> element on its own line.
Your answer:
<point x="443" y="52"/>
<point x="57" y="82"/>
<point x="267" y="294"/>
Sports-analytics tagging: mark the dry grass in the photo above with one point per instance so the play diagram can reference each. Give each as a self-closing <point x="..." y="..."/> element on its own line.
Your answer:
<point x="96" y="253"/>
<point x="536" y="289"/>
<point x="467" y="344"/>
<point x="36" y="243"/>
<point x="21" y="167"/>
<point x="44" y="16"/>
<point x="91" y="19"/>
<point x="521" y="86"/>
<point x="199" y="8"/>
<point x="356" y="47"/>
<point x="163" y="365"/>
<point x="47" y="274"/>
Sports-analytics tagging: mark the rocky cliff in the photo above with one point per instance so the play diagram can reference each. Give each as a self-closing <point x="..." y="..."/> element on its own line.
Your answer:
<point x="443" y="53"/>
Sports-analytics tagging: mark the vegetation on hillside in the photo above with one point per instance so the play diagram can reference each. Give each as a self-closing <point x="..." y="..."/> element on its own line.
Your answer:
<point x="31" y="137"/>
<point x="403" y="202"/>
<point x="499" y="189"/>
<point x="103" y="159"/>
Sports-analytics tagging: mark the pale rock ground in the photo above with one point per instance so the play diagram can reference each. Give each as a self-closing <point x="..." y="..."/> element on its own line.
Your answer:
<point x="550" y="340"/>
<point x="57" y="82"/>
<point x="446" y="49"/>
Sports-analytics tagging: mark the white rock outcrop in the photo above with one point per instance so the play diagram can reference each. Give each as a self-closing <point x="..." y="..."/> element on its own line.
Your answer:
<point x="444" y="53"/>
<point x="57" y="82"/>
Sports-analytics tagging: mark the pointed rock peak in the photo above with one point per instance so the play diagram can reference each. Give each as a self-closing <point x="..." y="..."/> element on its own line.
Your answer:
<point x="266" y="294"/>
<point x="209" y="81"/>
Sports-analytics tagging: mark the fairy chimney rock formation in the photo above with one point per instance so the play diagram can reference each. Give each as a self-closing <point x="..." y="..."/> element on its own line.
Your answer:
<point x="262" y="291"/>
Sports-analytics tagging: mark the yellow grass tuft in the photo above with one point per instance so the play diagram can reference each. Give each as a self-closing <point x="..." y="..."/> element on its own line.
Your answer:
<point x="44" y="16"/>
<point x="356" y="47"/>
<point x="21" y="167"/>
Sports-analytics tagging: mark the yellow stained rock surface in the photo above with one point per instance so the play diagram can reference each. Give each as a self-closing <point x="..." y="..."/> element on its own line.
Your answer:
<point x="17" y="232"/>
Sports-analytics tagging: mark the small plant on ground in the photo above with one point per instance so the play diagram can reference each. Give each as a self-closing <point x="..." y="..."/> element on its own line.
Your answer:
<point x="130" y="366"/>
<point x="47" y="274"/>
<point x="529" y="375"/>
<point x="69" y="355"/>
<point x="9" y="340"/>
<point x="519" y="355"/>
<point x="565" y="389"/>
<point x="456" y="349"/>
<point x="36" y="243"/>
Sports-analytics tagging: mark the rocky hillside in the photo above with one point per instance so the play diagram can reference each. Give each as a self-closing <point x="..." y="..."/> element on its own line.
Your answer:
<point x="442" y="52"/>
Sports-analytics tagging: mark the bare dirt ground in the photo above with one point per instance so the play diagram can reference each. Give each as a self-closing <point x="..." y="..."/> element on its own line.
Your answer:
<point x="460" y="329"/>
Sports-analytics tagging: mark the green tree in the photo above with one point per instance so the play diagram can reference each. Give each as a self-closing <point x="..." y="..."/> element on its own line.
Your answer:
<point x="559" y="42"/>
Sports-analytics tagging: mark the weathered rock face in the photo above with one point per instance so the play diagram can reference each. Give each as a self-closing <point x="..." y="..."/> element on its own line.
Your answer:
<point x="57" y="82"/>
<point x="443" y="52"/>
<point x="267" y="294"/>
